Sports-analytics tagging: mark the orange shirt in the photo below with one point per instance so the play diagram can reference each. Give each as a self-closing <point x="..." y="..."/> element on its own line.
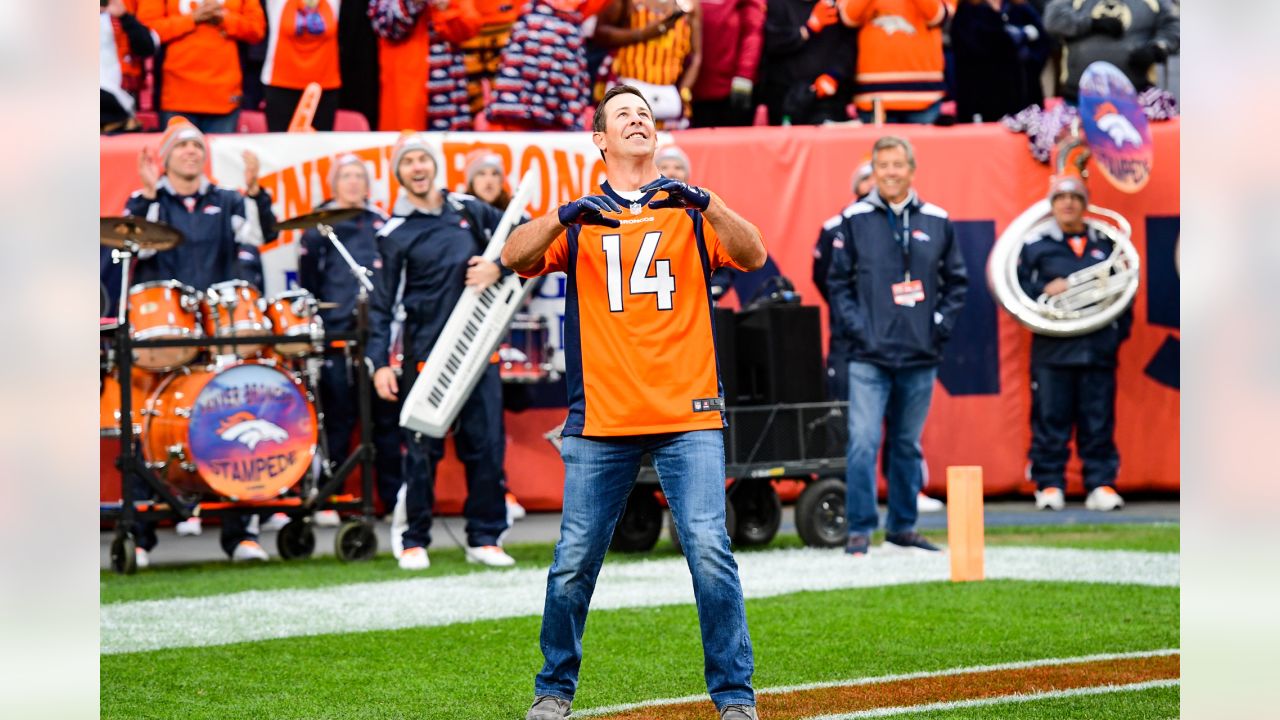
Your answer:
<point x="640" y="355"/>
<point x="899" y="51"/>
<point x="201" y="63"/>
<point x="296" y="56"/>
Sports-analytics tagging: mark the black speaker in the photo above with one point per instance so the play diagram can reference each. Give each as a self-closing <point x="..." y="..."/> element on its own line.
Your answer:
<point x="780" y="355"/>
<point x="726" y="337"/>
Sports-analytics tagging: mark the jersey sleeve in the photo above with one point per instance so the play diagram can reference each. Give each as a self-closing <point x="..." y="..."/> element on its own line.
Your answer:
<point x="555" y="259"/>
<point x="716" y="252"/>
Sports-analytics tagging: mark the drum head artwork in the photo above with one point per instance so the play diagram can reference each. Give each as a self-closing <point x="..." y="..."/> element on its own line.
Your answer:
<point x="1115" y="127"/>
<point x="252" y="432"/>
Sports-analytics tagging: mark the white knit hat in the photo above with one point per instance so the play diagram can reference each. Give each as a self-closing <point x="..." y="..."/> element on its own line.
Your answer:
<point x="408" y="142"/>
<point x="671" y="152"/>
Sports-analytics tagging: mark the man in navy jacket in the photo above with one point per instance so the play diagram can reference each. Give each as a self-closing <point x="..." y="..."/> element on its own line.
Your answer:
<point x="430" y="252"/>
<point x="1073" y="379"/>
<point x="897" y="283"/>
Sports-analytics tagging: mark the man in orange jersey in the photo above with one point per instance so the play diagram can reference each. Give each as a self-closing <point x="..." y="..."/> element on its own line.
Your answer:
<point x="201" y="79"/>
<point x="900" y="65"/>
<point x="642" y="378"/>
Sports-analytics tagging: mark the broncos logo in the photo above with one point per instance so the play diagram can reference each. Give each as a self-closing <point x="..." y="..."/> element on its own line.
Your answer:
<point x="243" y="427"/>
<point x="1116" y="126"/>
<point x="891" y="24"/>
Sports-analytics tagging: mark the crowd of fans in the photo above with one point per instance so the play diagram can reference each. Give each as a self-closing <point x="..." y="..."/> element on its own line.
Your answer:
<point x="543" y="64"/>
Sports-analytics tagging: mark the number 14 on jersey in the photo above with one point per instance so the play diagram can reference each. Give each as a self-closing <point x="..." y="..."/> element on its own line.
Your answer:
<point x="661" y="283"/>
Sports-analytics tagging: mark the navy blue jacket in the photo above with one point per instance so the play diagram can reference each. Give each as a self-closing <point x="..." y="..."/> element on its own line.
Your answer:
<point x="323" y="271"/>
<point x="431" y="252"/>
<point x="220" y="240"/>
<point x="1049" y="257"/>
<point x="868" y="258"/>
<point x="822" y="252"/>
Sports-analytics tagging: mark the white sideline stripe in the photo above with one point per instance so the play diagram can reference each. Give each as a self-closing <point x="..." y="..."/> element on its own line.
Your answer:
<point x="882" y="679"/>
<point x="431" y="601"/>
<point x="1001" y="700"/>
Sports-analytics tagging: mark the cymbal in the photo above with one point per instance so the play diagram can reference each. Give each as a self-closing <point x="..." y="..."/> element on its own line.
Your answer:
<point x="118" y="232"/>
<point x="311" y="219"/>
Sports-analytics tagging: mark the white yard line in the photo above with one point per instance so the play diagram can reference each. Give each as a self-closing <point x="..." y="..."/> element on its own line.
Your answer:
<point x="882" y="679"/>
<point x="430" y="601"/>
<point x="1001" y="700"/>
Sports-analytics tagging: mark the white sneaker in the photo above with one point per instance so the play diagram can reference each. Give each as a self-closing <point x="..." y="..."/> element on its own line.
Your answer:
<point x="1050" y="498"/>
<point x="926" y="504"/>
<point x="189" y="527"/>
<point x="249" y="550"/>
<point x="414" y="558"/>
<point x="142" y="557"/>
<point x="399" y="523"/>
<point x="327" y="518"/>
<point x="1104" y="499"/>
<point x="274" y="523"/>
<point x="490" y="555"/>
<point x="515" y="511"/>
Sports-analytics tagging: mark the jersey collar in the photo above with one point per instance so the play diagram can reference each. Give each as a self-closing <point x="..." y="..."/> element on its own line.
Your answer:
<point x="611" y="193"/>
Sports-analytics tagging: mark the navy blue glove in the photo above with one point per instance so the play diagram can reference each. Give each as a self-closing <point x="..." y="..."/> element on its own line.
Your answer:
<point x="588" y="210"/>
<point x="679" y="195"/>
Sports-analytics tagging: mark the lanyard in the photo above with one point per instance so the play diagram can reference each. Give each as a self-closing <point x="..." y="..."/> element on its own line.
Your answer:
<point x="903" y="239"/>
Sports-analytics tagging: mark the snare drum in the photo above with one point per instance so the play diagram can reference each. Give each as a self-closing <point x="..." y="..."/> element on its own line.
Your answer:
<point x="294" y="312"/>
<point x="235" y="309"/>
<point x="163" y="309"/>
<point x="246" y="432"/>
<point x="525" y="355"/>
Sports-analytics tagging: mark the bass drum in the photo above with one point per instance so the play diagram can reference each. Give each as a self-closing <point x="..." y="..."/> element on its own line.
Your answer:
<point x="244" y="432"/>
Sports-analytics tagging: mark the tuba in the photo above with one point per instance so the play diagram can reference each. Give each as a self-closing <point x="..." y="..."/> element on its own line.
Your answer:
<point x="1095" y="296"/>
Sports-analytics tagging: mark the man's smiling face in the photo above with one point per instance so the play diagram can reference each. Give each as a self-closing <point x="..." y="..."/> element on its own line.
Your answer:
<point x="629" y="130"/>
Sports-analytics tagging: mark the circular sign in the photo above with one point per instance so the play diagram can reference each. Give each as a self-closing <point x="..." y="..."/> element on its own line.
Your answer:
<point x="1115" y="127"/>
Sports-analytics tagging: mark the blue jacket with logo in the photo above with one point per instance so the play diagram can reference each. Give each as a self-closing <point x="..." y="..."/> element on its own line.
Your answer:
<point x="424" y="262"/>
<point x="870" y="255"/>
<point x="222" y="235"/>
<point x="322" y="270"/>
<point x="1049" y="257"/>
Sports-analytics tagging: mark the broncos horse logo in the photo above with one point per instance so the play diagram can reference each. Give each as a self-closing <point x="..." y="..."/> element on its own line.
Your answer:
<point x="243" y="427"/>
<point x="1116" y="126"/>
<point x="891" y="24"/>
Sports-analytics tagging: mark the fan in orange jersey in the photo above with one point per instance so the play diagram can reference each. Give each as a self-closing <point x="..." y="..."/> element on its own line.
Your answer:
<point x="302" y="48"/>
<point x="643" y="378"/>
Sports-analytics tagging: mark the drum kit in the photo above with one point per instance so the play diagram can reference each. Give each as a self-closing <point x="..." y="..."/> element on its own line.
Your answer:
<point x="222" y="397"/>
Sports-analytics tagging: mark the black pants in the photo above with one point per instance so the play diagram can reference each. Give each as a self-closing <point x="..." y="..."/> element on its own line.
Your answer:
<point x="481" y="445"/>
<point x="720" y="113"/>
<point x="1067" y="398"/>
<point x="342" y="410"/>
<point x="281" y="102"/>
<point x="235" y="528"/>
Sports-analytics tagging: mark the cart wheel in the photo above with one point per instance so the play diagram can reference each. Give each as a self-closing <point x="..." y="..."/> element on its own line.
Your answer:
<point x="355" y="541"/>
<point x="124" y="555"/>
<point x="641" y="523"/>
<point x="820" y="514"/>
<point x="759" y="511"/>
<point x="730" y="525"/>
<point x="296" y="540"/>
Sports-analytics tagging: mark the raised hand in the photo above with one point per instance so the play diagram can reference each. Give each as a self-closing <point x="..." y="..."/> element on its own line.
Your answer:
<point x="148" y="173"/>
<point x="251" y="169"/>
<point x="679" y="195"/>
<point x="589" y="210"/>
<point x="823" y="16"/>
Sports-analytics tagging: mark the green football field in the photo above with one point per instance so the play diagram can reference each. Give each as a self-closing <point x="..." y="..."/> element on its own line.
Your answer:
<point x="484" y="668"/>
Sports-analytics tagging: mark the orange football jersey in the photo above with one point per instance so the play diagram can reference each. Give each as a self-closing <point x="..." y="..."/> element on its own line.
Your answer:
<point x="640" y="354"/>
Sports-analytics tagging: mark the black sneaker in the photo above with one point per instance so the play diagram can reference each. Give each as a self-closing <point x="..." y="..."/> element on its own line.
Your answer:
<point x="858" y="544"/>
<point x="910" y="540"/>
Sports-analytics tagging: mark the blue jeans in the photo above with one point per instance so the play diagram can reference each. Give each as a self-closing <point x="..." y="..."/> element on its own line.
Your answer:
<point x="208" y="124"/>
<point x="898" y="400"/>
<point x="599" y="475"/>
<point x="926" y="116"/>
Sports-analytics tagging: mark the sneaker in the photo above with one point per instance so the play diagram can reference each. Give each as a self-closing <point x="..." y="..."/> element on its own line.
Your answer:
<point x="926" y="504"/>
<point x="910" y="540"/>
<point x="1050" y="498"/>
<point x="189" y="527"/>
<point x="399" y="523"/>
<point x="274" y="523"/>
<point x="414" y="558"/>
<point x="858" y="544"/>
<point x="142" y="558"/>
<point x="490" y="555"/>
<point x="327" y="518"/>
<point x="549" y="707"/>
<point x="739" y="712"/>
<point x="249" y="550"/>
<point x="515" y="511"/>
<point x="1104" y="499"/>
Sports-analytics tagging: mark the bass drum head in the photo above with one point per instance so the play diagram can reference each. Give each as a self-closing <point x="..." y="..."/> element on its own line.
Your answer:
<point x="252" y="432"/>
